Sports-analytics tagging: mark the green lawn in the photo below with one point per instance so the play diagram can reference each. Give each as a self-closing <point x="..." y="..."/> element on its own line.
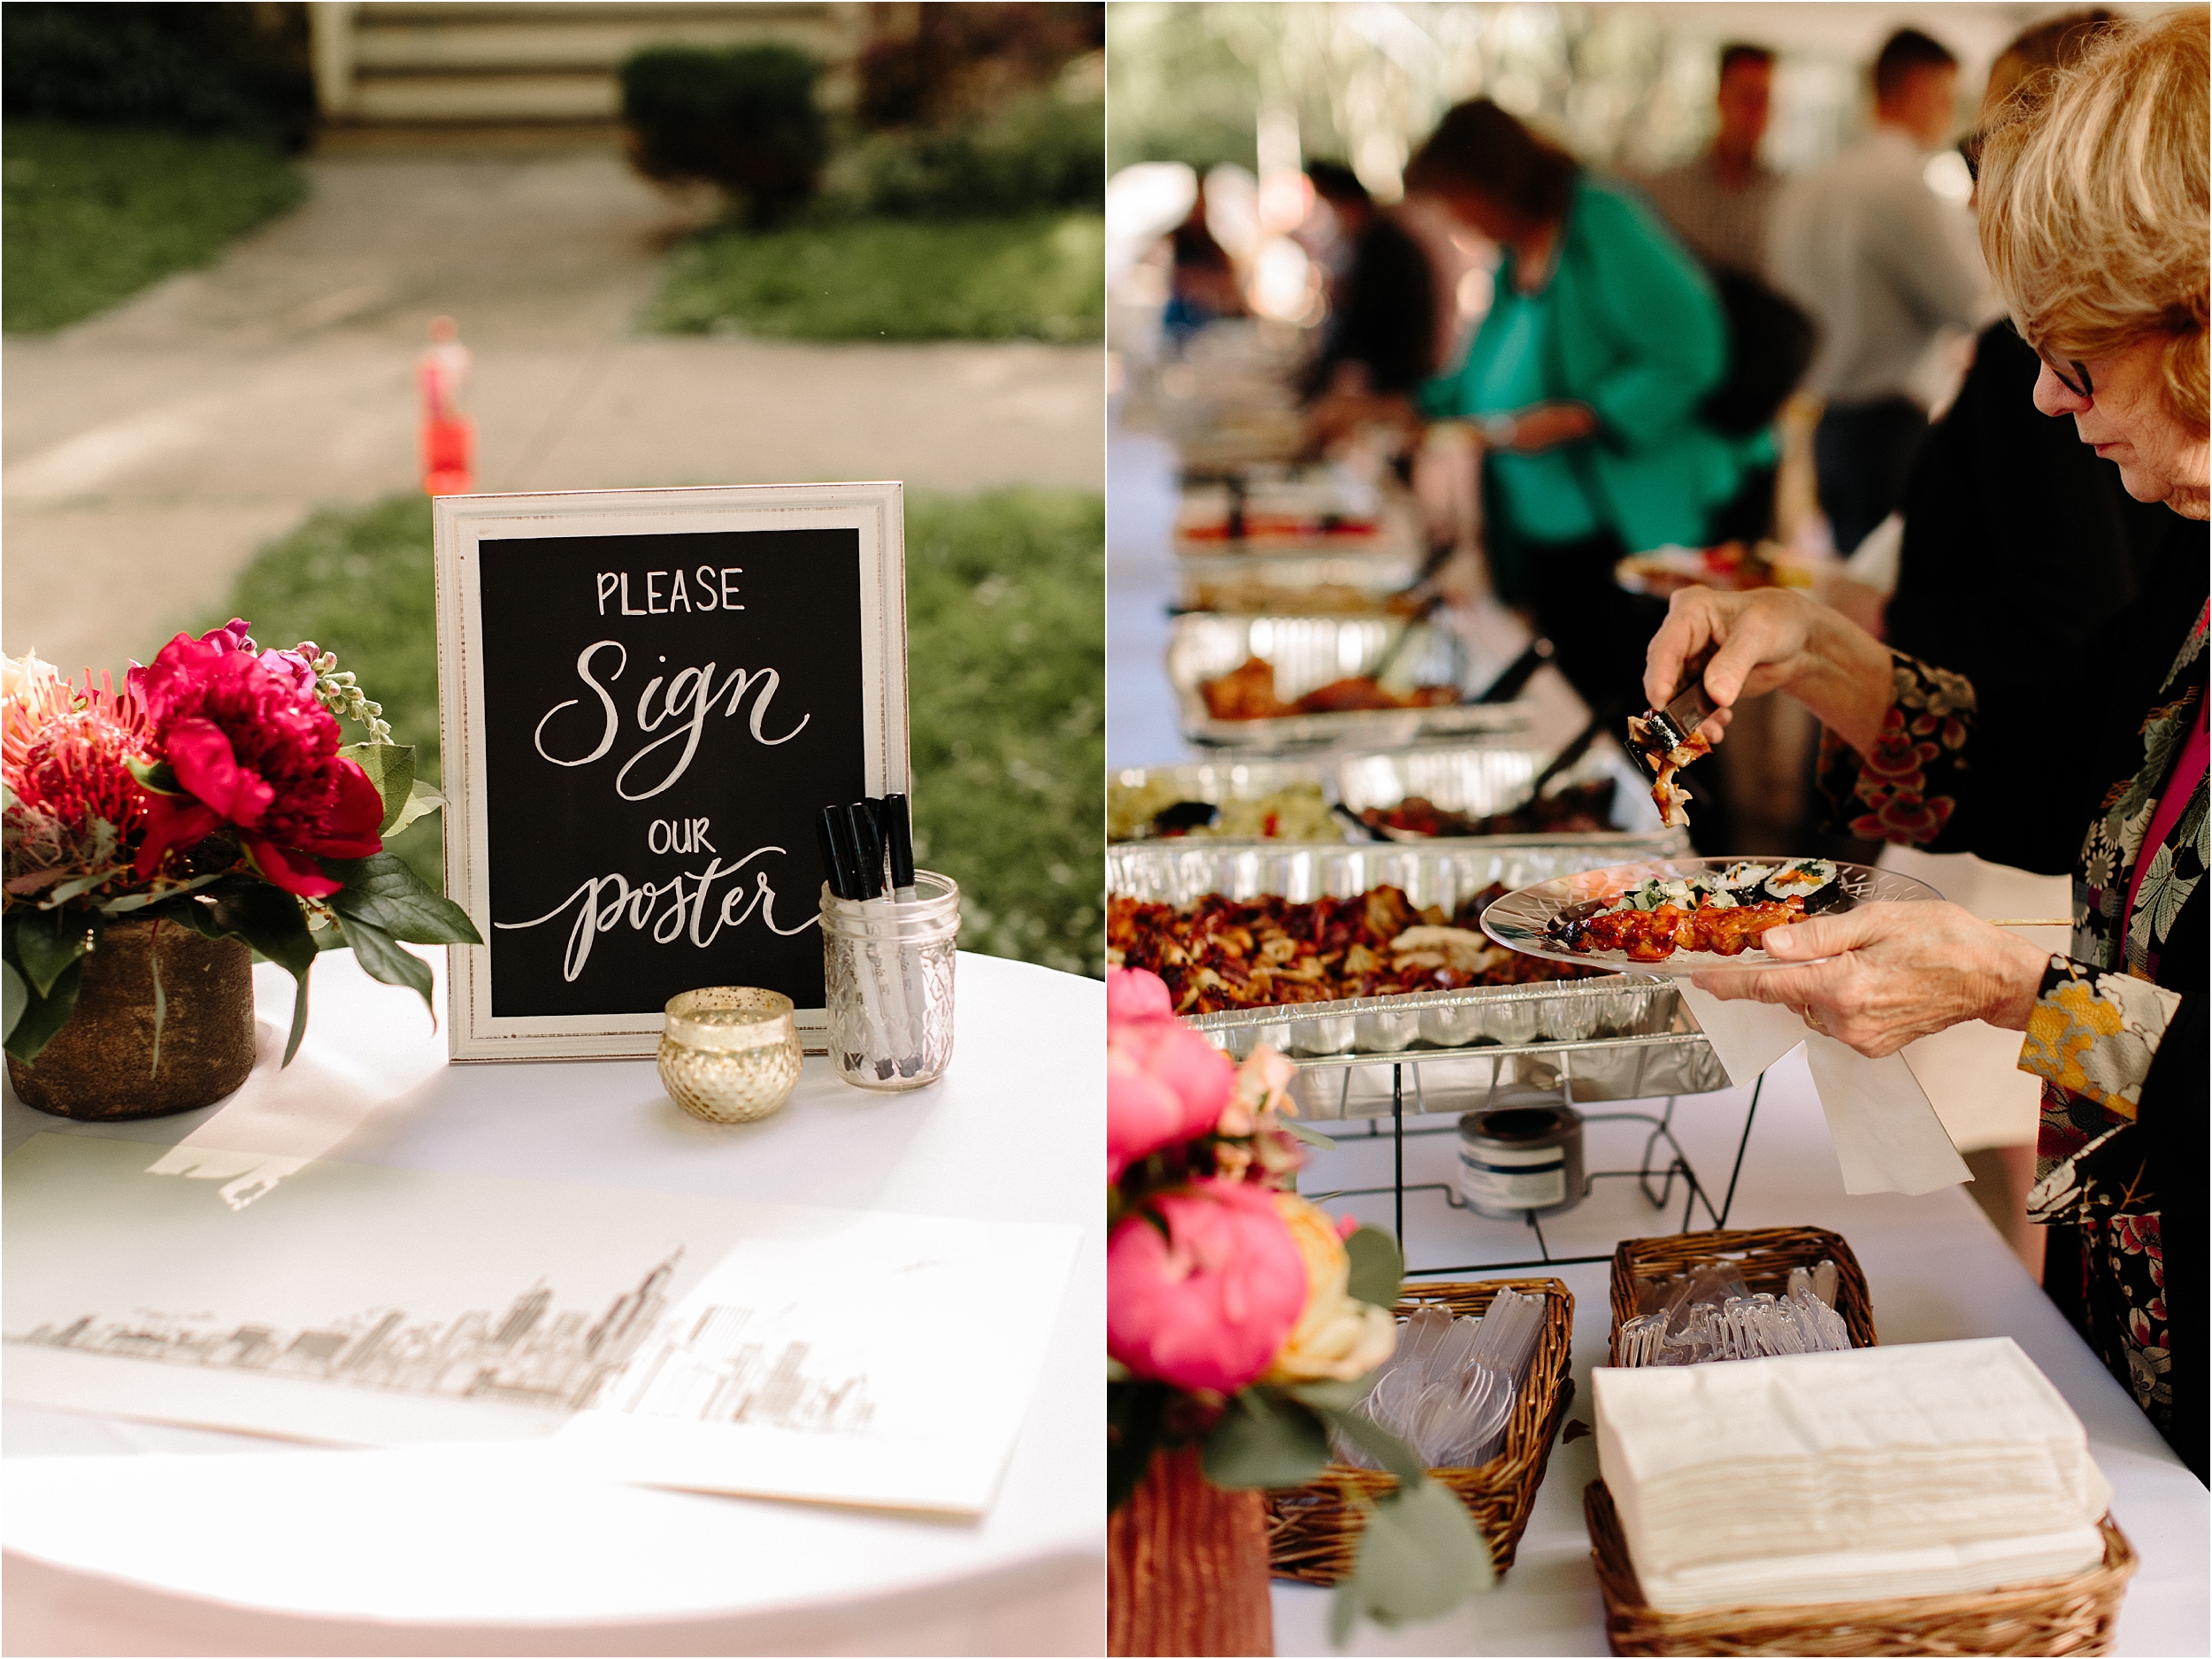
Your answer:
<point x="1041" y="277"/>
<point x="91" y="215"/>
<point x="1006" y="673"/>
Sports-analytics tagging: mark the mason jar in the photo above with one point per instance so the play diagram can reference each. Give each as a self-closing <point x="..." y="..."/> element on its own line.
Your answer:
<point x="886" y="974"/>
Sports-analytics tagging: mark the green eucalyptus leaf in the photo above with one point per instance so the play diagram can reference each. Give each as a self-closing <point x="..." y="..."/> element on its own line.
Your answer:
<point x="43" y="1016"/>
<point x="1379" y="1443"/>
<point x="63" y="891"/>
<point x="382" y="957"/>
<point x="422" y="801"/>
<point x="156" y="775"/>
<point x="47" y="945"/>
<point x="1312" y="1137"/>
<point x="1378" y="1269"/>
<point x="1265" y="1439"/>
<point x="391" y="768"/>
<point x="1419" y="1556"/>
<point x="382" y="891"/>
<point x="14" y="998"/>
<point x="1335" y="1396"/>
<point x="131" y="902"/>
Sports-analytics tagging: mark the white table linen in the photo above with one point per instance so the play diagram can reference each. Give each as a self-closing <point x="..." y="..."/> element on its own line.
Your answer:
<point x="197" y="1549"/>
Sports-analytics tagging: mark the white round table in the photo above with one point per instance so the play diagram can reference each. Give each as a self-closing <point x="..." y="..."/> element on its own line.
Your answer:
<point x="133" y="1538"/>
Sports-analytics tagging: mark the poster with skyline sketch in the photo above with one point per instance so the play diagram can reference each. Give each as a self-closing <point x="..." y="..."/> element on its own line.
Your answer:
<point x="764" y="1348"/>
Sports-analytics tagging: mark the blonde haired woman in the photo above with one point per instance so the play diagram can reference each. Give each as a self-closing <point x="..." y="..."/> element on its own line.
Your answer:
<point x="2093" y="211"/>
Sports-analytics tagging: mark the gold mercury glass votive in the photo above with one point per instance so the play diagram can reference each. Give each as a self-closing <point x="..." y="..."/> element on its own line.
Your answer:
<point x="729" y="1053"/>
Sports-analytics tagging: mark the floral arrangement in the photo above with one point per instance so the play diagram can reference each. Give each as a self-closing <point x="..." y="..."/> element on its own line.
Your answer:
<point x="1241" y="1318"/>
<point x="213" y="790"/>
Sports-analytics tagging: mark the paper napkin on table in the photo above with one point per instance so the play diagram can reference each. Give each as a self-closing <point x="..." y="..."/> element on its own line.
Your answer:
<point x="1888" y="1136"/>
<point x="1922" y="1468"/>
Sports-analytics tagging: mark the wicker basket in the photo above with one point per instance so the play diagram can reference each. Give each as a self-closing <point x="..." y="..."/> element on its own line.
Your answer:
<point x="2051" y="1616"/>
<point x="1764" y="1255"/>
<point x="1313" y="1532"/>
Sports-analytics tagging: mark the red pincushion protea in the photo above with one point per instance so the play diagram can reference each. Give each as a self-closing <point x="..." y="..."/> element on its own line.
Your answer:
<point x="68" y="751"/>
<point x="253" y="748"/>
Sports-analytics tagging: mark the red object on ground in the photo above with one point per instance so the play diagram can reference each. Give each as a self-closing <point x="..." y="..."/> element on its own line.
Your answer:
<point x="448" y="437"/>
<point x="449" y="456"/>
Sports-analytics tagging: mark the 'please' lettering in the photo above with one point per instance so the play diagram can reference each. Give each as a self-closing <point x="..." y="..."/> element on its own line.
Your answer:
<point x="665" y="592"/>
<point x="687" y="699"/>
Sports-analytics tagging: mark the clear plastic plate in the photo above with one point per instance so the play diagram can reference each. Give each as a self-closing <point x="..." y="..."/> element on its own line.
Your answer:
<point x="1519" y="920"/>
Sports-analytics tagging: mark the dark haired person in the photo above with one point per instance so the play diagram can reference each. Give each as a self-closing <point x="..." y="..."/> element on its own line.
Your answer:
<point x="1381" y="333"/>
<point x="1719" y="201"/>
<point x="1585" y="378"/>
<point x="1883" y="265"/>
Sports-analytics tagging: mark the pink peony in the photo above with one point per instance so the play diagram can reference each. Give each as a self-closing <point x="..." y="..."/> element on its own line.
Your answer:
<point x="1165" y="1084"/>
<point x="1136" y="993"/>
<point x="253" y="748"/>
<point x="1208" y="1303"/>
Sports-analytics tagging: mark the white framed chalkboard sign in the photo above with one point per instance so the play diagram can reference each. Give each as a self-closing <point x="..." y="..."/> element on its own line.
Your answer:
<point x="646" y="697"/>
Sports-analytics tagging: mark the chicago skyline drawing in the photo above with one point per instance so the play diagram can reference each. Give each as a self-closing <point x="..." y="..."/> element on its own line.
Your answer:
<point x="726" y="1364"/>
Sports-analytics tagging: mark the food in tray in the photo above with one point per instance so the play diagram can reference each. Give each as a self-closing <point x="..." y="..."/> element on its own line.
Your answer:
<point x="1247" y="693"/>
<point x="1249" y="598"/>
<point x="1583" y="809"/>
<point x="1726" y="913"/>
<point x="1734" y="566"/>
<point x="1647" y="735"/>
<point x="1221" y="953"/>
<point x="1232" y="527"/>
<point x="1157" y="808"/>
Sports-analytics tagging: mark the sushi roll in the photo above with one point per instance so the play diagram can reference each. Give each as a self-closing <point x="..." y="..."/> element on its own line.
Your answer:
<point x="1815" y="881"/>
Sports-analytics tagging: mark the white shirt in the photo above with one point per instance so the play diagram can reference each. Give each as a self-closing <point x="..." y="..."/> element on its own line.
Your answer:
<point x="1880" y="260"/>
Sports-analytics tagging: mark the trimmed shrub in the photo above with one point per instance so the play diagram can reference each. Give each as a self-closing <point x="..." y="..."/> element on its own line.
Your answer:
<point x="1037" y="154"/>
<point x="744" y="118"/>
<point x="235" y="69"/>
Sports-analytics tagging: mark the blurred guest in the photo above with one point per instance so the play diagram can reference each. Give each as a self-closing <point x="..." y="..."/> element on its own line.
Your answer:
<point x="1719" y="203"/>
<point x="1381" y="333"/>
<point x="2004" y="509"/>
<point x="1204" y="286"/>
<point x="1585" y="378"/>
<point x="1883" y="264"/>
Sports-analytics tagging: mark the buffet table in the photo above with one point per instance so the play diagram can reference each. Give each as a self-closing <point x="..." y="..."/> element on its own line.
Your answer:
<point x="133" y="1538"/>
<point x="1937" y="1270"/>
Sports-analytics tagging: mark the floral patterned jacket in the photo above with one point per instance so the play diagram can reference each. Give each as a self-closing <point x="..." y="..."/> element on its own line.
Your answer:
<point x="2106" y="1006"/>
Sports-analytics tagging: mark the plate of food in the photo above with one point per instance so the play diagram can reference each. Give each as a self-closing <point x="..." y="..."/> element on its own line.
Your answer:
<point x="1677" y="916"/>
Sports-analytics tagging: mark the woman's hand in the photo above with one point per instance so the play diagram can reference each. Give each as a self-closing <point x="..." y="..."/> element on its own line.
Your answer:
<point x="1772" y="640"/>
<point x="1543" y="427"/>
<point x="1894" y="972"/>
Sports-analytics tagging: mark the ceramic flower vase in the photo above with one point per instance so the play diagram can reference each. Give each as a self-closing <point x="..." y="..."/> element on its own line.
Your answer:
<point x="108" y="1063"/>
<point x="1187" y="1566"/>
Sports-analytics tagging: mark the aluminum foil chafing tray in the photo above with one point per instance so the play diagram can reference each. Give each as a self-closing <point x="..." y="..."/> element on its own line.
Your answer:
<point x="1614" y="1037"/>
<point x="1311" y="651"/>
<point x="1491" y="775"/>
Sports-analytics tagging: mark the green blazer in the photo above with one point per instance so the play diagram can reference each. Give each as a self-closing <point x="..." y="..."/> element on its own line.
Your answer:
<point x="1630" y="325"/>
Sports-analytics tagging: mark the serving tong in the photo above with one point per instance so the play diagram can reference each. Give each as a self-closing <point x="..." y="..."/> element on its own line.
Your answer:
<point x="1668" y="729"/>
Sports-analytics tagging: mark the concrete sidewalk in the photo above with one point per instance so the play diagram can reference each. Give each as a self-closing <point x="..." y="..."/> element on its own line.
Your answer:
<point x="150" y="451"/>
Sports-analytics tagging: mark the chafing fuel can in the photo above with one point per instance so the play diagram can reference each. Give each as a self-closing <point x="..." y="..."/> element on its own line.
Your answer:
<point x="1514" y="1159"/>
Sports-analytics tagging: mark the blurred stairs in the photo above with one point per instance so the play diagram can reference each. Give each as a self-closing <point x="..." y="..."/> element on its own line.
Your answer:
<point x="415" y="64"/>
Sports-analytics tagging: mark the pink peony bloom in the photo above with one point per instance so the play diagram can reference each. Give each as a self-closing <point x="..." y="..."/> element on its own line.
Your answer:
<point x="1136" y="993"/>
<point x="1209" y="1304"/>
<point x="253" y="748"/>
<point x="1165" y="1084"/>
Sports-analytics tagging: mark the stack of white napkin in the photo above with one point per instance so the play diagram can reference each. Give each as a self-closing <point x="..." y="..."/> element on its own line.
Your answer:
<point x="1927" y="1469"/>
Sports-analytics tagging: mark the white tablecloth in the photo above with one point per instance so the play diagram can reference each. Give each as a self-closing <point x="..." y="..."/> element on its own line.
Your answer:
<point x="1936" y="1269"/>
<point x="296" y="1551"/>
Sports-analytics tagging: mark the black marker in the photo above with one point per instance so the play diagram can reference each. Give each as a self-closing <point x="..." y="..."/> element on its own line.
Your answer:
<point x="898" y="835"/>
